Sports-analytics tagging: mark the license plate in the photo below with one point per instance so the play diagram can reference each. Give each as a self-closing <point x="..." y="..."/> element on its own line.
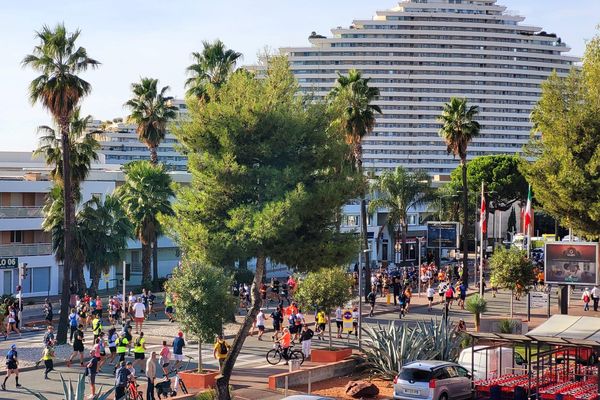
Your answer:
<point x="411" y="391"/>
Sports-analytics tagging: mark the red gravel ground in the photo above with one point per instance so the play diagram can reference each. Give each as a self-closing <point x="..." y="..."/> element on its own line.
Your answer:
<point x="335" y="387"/>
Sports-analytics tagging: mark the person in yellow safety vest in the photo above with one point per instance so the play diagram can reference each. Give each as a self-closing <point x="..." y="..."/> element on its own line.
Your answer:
<point x="169" y="307"/>
<point x="48" y="357"/>
<point x="139" y="348"/>
<point x="122" y="344"/>
<point x="96" y="327"/>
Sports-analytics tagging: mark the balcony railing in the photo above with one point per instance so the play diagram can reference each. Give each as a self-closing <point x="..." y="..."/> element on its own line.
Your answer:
<point x="18" y="250"/>
<point x="21" y="212"/>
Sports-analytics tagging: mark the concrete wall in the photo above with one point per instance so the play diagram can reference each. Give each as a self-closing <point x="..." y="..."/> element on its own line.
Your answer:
<point x="317" y="374"/>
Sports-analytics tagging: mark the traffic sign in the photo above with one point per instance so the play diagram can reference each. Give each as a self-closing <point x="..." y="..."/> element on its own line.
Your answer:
<point x="8" y="262"/>
<point x="538" y="300"/>
<point x="347" y="321"/>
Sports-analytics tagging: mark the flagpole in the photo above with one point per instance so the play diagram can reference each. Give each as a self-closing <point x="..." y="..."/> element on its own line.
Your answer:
<point x="481" y="244"/>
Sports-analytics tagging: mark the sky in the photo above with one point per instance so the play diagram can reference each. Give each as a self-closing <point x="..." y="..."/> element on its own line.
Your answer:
<point x="154" y="38"/>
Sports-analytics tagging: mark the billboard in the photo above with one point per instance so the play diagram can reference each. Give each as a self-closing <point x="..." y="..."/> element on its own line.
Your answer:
<point x="571" y="263"/>
<point x="442" y="235"/>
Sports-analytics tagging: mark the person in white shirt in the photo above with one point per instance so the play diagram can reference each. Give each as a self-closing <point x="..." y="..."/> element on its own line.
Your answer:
<point x="139" y="312"/>
<point x="339" y="321"/>
<point x="260" y="323"/>
<point x="430" y="294"/>
<point x="595" y="294"/>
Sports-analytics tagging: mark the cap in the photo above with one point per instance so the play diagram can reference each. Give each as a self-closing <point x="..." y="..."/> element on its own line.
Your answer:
<point x="13" y="347"/>
<point x="180" y="334"/>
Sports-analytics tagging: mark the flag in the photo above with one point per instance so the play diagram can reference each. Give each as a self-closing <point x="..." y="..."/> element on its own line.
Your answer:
<point x="528" y="212"/>
<point x="521" y="219"/>
<point x="482" y="219"/>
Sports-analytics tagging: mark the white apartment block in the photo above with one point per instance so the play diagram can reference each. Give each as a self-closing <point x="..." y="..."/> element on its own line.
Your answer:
<point x="423" y="52"/>
<point x="24" y="185"/>
<point x="420" y="54"/>
<point x="119" y="143"/>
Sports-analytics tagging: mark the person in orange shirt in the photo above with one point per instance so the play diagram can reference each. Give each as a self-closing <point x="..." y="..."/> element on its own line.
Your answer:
<point x="285" y="341"/>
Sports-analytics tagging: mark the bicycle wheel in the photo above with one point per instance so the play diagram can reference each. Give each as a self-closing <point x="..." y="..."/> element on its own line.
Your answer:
<point x="273" y="357"/>
<point x="297" y="355"/>
<point x="183" y="387"/>
<point x="139" y="396"/>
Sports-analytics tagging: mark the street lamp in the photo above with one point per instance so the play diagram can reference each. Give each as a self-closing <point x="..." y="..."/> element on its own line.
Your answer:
<point x="360" y="287"/>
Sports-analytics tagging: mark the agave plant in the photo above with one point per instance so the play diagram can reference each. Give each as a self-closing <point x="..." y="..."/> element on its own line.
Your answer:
<point x="386" y="349"/>
<point x="69" y="394"/>
<point x="477" y="305"/>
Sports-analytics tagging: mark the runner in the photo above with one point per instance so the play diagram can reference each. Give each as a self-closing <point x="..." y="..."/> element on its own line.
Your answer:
<point x="178" y="345"/>
<point x="306" y="340"/>
<point x="77" y="346"/>
<point x="430" y="294"/>
<point x="11" y="326"/>
<point x="122" y="345"/>
<point x="339" y="321"/>
<point x="139" y="350"/>
<point x="260" y="323"/>
<point x="73" y="323"/>
<point x="99" y="307"/>
<point x="144" y="298"/>
<point x="112" y="343"/>
<point x="165" y="358"/>
<point x="402" y="303"/>
<point x="83" y="316"/>
<point x="371" y="300"/>
<point x="151" y="300"/>
<point x="48" y="313"/>
<point x="139" y="311"/>
<point x="47" y="358"/>
<point x="91" y="369"/>
<point x="298" y="322"/>
<point x="354" y="323"/>
<point x="277" y="317"/>
<point x="221" y="350"/>
<point x="462" y="295"/>
<point x="321" y="321"/>
<point x="96" y="326"/>
<point x="12" y="366"/>
<point x="100" y="350"/>
<point x="408" y="294"/>
<point x="169" y="307"/>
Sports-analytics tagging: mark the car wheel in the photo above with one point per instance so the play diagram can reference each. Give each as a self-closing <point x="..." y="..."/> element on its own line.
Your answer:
<point x="444" y="396"/>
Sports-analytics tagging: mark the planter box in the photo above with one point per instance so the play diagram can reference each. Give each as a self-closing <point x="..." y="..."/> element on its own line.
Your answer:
<point x="195" y="380"/>
<point x="321" y="355"/>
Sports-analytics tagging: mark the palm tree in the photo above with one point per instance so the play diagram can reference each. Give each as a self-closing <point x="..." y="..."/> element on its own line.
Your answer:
<point x="398" y="191"/>
<point x="107" y="229"/>
<point x="59" y="89"/>
<point x="458" y="129"/>
<point x="145" y="194"/>
<point x="211" y="67"/>
<point x="83" y="147"/>
<point x="151" y="110"/>
<point x="354" y="97"/>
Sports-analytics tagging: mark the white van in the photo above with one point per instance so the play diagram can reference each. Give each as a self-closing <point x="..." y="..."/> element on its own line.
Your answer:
<point x="491" y="361"/>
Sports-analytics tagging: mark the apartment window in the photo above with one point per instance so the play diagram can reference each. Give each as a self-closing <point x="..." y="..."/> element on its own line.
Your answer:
<point x="413" y="219"/>
<point x="16" y="237"/>
<point x="351" y="220"/>
<point x="97" y="195"/>
<point x="136" y="265"/>
<point x="40" y="278"/>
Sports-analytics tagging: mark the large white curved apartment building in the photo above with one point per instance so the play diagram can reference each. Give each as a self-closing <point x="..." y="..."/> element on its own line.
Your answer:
<point x="421" y="53"/>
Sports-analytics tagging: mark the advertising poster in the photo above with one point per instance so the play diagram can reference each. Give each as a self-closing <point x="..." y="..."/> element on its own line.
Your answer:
<point x="347" y="321"/>
<point x="571" y="263"/>
<point x="442" y="235"/>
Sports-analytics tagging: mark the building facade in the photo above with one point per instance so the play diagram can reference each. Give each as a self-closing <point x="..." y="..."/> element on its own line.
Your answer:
<point x="420" y="54"/>
<point x="24" y="185"/>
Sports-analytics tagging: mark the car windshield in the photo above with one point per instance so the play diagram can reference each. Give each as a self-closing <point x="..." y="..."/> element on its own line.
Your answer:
<point x="414" y="375"/>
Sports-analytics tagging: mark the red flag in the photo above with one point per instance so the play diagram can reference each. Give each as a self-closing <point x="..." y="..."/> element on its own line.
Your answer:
<point x="482" y="219"/>
<point x="528" y="212"/>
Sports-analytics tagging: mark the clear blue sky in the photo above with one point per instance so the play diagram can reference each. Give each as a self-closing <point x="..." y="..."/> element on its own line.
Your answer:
<point x="134" y="38"/>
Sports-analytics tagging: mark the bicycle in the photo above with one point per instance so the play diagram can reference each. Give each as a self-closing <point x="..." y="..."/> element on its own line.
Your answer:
<point x="275" y="355"/>
<point x="132" y="392"/>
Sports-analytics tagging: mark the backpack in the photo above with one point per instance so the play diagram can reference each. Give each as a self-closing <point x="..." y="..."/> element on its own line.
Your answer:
<point x="292" y="319"/>
<point x="121" y="379"/>
<point x="223" y="348"/>
<point x="138" y="342"/>
<point x="586" y="299"/>
<point x="449" y="293"/>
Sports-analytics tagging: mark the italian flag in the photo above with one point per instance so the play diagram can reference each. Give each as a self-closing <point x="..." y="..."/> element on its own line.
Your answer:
<point x="482" y="220"/>
<point x="528" y="212"/>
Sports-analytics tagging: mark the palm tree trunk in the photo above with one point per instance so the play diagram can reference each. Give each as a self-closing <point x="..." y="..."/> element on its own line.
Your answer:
<point x="153" y="155"/>
<point x="465" y="244"/>
<point x="222" y="383"/>
<point x="146" y="253"/>
<point x="155" y="260"/>
<point x="357" y="150"/>
<point x="63" y="322"/>
<point x="94" y="278"/>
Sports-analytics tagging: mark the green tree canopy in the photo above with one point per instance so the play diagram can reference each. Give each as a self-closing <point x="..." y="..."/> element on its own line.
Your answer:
<point x="266" y="182"/>
<point x="202" y="298"/>
<point x="565" y="146"/>
<point x="511" y="269"/>
<point x="325" y="289"/>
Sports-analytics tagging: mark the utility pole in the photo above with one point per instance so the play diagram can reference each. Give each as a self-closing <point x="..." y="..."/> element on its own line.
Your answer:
<point x="481" y="230"/>
<point x="124" y="302"/>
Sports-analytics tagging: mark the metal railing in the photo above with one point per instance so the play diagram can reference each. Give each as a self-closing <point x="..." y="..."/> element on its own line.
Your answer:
<point x="21" y="212"/>
<point x="17" y="250"/>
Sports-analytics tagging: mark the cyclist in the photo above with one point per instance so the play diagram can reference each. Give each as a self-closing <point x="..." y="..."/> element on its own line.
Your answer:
<point x="221" y="350"/>
<point x="285" y="341"/>
<point x="121" y="380"/>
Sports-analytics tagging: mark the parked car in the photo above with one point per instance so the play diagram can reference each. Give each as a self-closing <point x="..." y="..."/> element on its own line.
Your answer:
<point x="432" y="380"/>
<point x="487" y="363"/>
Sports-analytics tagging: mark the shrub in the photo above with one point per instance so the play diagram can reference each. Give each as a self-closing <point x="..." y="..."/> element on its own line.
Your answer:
<point x="477" y="305"/>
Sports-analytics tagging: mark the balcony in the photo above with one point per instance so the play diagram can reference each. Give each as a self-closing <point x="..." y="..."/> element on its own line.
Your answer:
<point x="21" y="212"/>
<point x="21" y="250"/>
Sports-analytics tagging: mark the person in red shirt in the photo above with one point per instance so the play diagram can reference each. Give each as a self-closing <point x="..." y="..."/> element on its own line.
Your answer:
<point x="285" y="341"/>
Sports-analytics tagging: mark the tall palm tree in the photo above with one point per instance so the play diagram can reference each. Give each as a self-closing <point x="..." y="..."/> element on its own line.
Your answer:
<point x="83" y="147"/>
<point x="59" y="89"/>
<point x="458" y="129"/>
<point x="145" y="194"/>
<point x="354" y="96"/>
<point x="211" y="67"/>
<point x="398" y="191"/>
<point x="151" y="110"/>
<point x="107" y="229"/>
